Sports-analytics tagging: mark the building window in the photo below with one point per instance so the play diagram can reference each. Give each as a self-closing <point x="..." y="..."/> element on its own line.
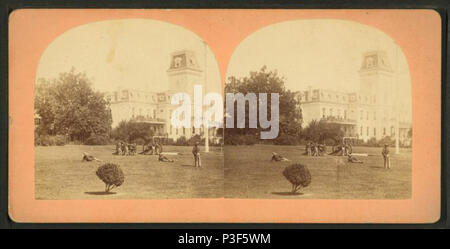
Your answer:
<point x="367" y="130"/>
<point x="361" y="116"/>
<point x="331" y="111"/>
<point x="374" y="115"/>
<point x="367" y="115"/>
<point x="323" y="112"/>
<point x="339" y="112"/>
<point x="361" y="130"/>
<point x="384" y="131"/>
<point x="170" y="131"/>
<point x="374" y="132"/>
<point x="176" y="131"/>
<point x="193" y="130"/>
<point x="184" y="131"/>
<point x="345" y="114"/>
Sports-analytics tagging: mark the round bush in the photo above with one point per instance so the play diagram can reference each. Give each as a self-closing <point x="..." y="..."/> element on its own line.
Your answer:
<point x="298" y="175"/>
<point x="111" y="175"/>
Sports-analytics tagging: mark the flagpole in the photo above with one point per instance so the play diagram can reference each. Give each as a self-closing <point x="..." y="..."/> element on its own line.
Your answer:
<point x="206" y="126"/>
<point x="397" y="128"/>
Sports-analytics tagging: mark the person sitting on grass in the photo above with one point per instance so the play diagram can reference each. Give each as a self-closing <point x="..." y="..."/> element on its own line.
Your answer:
<point x="158" y="148"/>
<point x="163" y="158"/>
<point x="308" y="149"/>
<point x="118" y="149"/>
<point x="352" y="159"/>
<point x="89" y="158"/>
<point x="278" y="158"/>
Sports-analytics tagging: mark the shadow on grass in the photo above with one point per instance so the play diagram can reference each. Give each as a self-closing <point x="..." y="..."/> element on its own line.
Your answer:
<point x="286" y="193"/>
<point x="100" y="193"/>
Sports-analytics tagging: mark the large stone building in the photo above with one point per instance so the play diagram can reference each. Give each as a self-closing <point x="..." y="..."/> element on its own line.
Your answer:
<point x="155" y="107"/>
<point x="371" y="112"/>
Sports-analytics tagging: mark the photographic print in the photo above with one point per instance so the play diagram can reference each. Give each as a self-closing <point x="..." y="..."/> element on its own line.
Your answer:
<point x="345" y="114"/>
<point x="216" y="115"/>
<point x="103" y="107"/>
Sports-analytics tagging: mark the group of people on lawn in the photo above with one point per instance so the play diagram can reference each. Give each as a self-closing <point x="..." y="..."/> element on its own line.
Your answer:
<point x="344" y="149"/>
<point x="123" y="148"/>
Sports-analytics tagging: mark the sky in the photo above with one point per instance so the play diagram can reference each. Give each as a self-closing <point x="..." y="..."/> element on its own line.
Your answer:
<point x="322" y="53"/>
<point x="127" y="53"/>
<point x="135" y="53"/>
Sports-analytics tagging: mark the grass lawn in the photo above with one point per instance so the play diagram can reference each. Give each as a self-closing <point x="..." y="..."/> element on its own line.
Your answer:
<point x="60" y="174"/>
<point x="250" y="174"/>
<point x="238" y="172"/>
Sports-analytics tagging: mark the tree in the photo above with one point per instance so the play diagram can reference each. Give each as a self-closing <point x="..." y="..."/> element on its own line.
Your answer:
<point x="298" y="175"/>
<point x="69" y="106"/>
<point x="319" y="131"/>
<point x="111" y="175"/>
<point x="266" y="81"/>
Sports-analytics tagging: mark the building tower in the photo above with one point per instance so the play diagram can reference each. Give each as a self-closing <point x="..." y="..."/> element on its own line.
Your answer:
<point x="183" y="73"/>
<point x="377" y="96"/>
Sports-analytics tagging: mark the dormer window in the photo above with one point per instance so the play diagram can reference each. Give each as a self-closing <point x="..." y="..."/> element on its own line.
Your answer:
<point x="177" y="62"/>
<point x="369" y="62"/>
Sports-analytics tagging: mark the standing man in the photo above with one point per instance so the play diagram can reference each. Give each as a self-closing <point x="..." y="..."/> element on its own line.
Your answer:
<point x="387" y="160"/>
<point x="196" y="153"/>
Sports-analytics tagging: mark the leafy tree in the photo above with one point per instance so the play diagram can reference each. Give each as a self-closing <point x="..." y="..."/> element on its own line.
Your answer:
<point x="320" y="131"/>
<point x="266" y="81"/>
<point x="111" y="175"/>
<point x="298" y="175"/>
<point x="69" y="106"/>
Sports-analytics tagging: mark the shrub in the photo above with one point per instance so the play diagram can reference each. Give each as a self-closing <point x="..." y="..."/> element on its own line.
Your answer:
<point x="129" y="131"/>
<point x="386" y="140"/>
<point x="47" y="140"/>
<point x="372" y="142"/>
<point x="298" y="175"/>
<point x="97" y="140"/>
<point x="59" y="140"/>
<point x="195" y="139"/>
<point x="285" y="139"/>
<point x="241" y="140"/>
<point x="182" y="141"/>
<point x="111" y="175"/>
